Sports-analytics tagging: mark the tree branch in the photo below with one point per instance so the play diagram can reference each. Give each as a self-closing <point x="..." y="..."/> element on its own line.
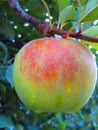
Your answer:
<point x="41" y="26"/>
<point x="44" y="27"/>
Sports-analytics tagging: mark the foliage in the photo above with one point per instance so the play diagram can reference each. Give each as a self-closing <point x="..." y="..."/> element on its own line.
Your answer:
<point x="14" y="33"/>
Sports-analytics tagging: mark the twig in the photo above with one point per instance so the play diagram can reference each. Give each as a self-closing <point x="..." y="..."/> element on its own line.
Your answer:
<point x="75" y="35"/>
<point x="41" y="26"/>
<point x="45" y="28"/>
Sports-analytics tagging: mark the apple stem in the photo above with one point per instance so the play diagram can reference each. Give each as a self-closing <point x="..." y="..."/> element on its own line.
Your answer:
<point x="44" y="27"/>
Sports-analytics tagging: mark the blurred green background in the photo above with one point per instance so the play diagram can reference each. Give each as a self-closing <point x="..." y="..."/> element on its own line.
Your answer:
<point x="14" y="33"/>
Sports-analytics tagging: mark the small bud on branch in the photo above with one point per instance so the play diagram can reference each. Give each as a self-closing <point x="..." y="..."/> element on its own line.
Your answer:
<point x="45" y="28"/>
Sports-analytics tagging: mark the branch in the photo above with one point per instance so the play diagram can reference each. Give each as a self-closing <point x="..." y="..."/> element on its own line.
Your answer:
<point x="44" y="27"/>
<point x="75" y="35"/>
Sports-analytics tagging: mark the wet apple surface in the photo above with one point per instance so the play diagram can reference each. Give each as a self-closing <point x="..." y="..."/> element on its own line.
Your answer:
<point x="54" y="75"/>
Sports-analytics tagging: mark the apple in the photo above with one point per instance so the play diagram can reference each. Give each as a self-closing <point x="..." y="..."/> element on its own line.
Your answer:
<point x="54" y="75"/>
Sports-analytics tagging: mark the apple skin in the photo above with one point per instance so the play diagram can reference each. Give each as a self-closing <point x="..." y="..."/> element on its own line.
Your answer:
<point x="54" y="75"/>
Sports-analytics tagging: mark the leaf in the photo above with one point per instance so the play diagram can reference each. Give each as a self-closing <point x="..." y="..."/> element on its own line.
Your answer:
<point x="19" y="127"/>
<point x="89" y="11"/>
<point x="2" y="72"/>
<point x="4" y="48"/>
<point x="62" y="4"/>
<point x="92" y="31"/>
<point x="83" y="2"/>
<point x="35" y="7"/>
<point x="6" y="30"/>
<point x="2" y="89"/>
<point x="6" y="122"/>
<point x="93" y="44"/>
<point x="9" y="75"/>
<point x="66" y="14"/>
<point x="87" y="25"/>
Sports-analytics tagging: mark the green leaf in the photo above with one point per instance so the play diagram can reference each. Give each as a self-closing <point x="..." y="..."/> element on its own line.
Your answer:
<point x="6" y="30"/>
<point x="83" y="2"/>
<point x="9" y="75"/>
<point x="62" y="4"/>
<point x="6" y="122"/>
<point x="2" y="72"/>
<point x="66" y="14"/>
<point x="92" y="31"/>
<point x="89" y="11"/>
<point x="19" y="127"/>
<point x="2" y="89"/>
<point x="4" y="48"/>
<point x="87" y="25"/>
<point x="93" y="44"/>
